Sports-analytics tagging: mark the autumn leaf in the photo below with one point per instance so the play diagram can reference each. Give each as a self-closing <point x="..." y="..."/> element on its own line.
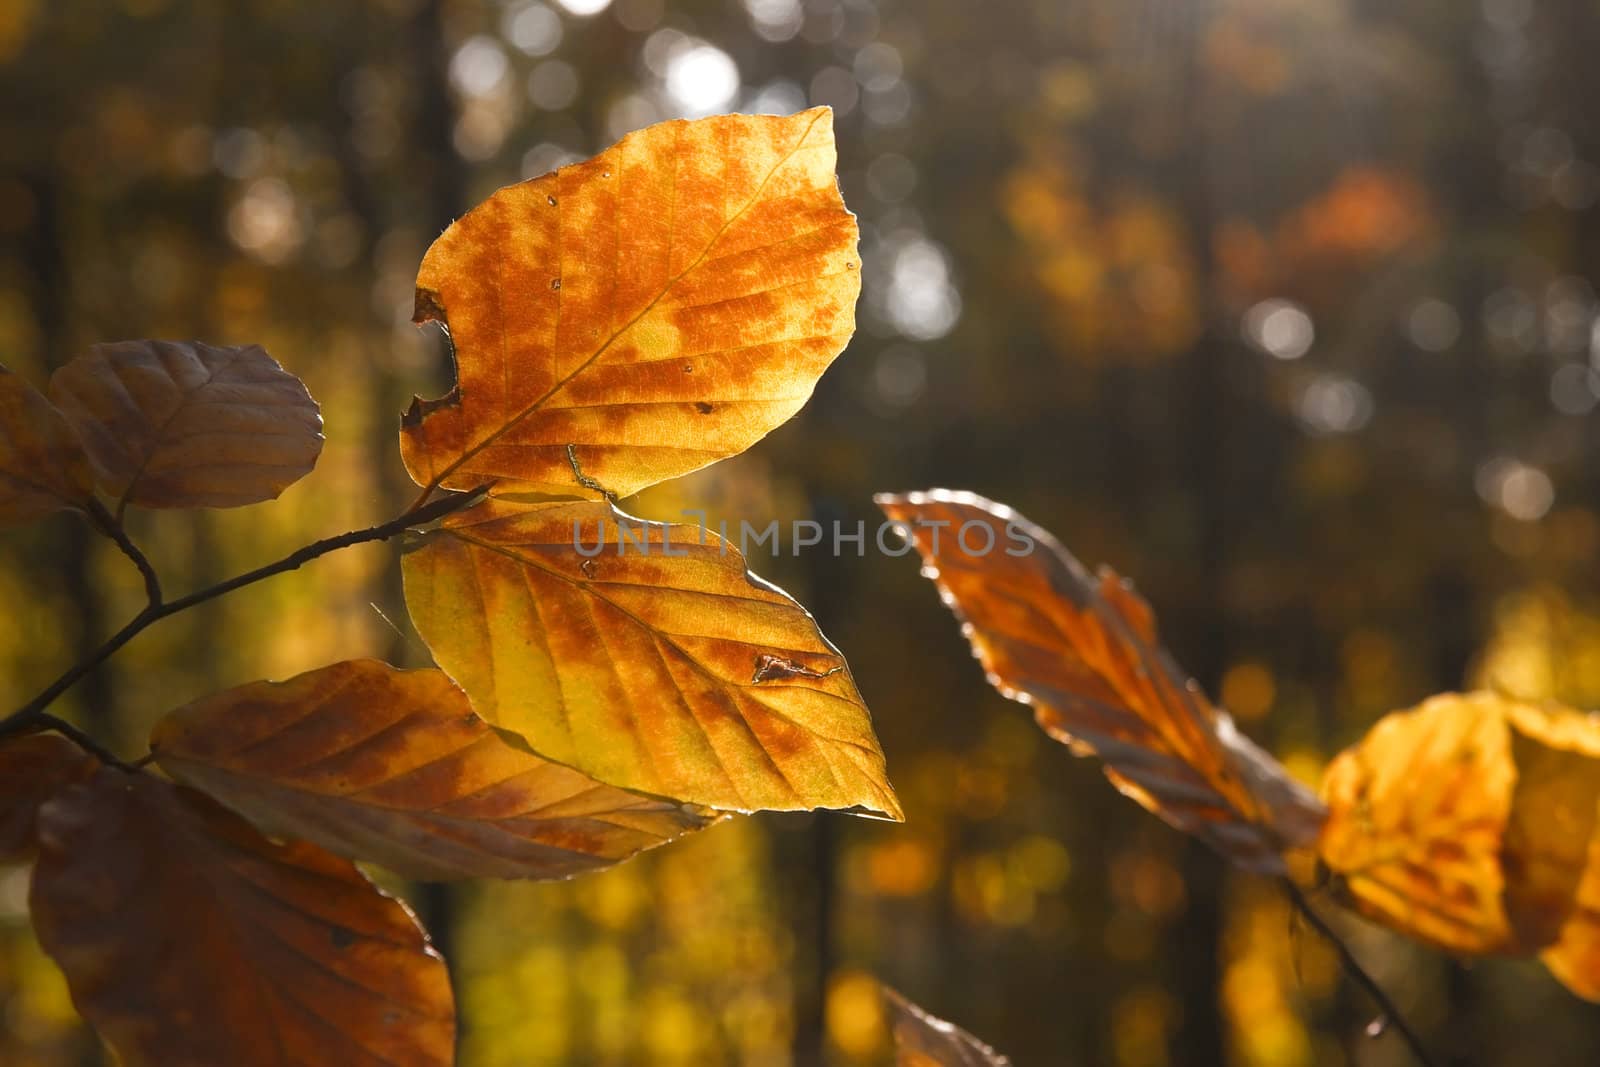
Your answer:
<point x="648" y="659"/>
<point x="921" y="1040"/>
<point x="1082" y="652"/>
<point x="42" y="465"/>
<point x="1469" y="822"/>
<point x="32" y="770"/>
<point x="180" y="424"/>
<point x="1416" y="818"/>
<point x="377" y="763"/>
<point x="654" y="309"/>
<point x="189" y="940"/>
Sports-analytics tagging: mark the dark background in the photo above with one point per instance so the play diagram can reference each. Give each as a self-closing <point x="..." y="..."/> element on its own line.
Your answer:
<point x="1285" y="308"/>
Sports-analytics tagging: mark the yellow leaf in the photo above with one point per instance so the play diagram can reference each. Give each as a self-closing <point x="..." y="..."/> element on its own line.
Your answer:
<point x="1082" y="652"/>
<point x="1469" y="823"/>
<point x="180" y="424"/>
<point x="644" y="658"/>
<point x="921" y="1040"/>
<point x="654" y="309"/>
<point x="42" y="465"/>
<point x="392" y="766"/>
<point x="189" y="940"/>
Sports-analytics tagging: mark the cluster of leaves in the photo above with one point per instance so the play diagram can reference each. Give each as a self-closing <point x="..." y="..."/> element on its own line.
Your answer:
<point x="1468" y="823"/>
<point x="614" y="324"/>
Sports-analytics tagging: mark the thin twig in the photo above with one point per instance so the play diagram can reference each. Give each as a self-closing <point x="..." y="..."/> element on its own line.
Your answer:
<point x="159" y="610"/>
<point x="1390" y="1013"/>
<point x="42" y="721"/>
<point x="111" y="526"/>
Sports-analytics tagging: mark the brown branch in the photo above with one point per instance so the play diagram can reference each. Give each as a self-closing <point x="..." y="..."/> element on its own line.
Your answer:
<point x="1389" y="1012"/>
<point x="31" y="713"/>
<point x="111" y="526"/>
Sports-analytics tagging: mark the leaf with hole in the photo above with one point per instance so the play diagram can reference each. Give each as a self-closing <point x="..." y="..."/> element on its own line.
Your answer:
<point x="32" y="770"/>
<point x="644" y="657"/>
<point x="189" y="940"/>
<point x="180" y="424"/>
<point x="1082" y="651"/>
<point x="641" y="314"/>
<point x="392" y="766"/>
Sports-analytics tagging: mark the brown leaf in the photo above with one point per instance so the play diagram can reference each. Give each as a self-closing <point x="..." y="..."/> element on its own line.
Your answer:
<point x="1469" y="823"/>
<point x="393" y="766"/>
<point x="1082" y="652"/>
<point x="189" y="940"/>
<point x="42" y="465"/>
<point x="180" y="424"/>
<point x="654" y="309"/>
<point x="921" y="1040"/>
<point x="649" y="663"/>
<point x="32" y="770"/>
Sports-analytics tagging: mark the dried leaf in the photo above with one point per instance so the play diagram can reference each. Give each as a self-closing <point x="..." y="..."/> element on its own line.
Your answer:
<point x="180" y="424"/>
<point x="921" y="1040"/>
<point x="1469" y="823"/>
<point x="189" y="940"/>
<point x="656" y="308"/>
<point x="42" y="465"/>
<point x="393" y="766"/>
<point x="32" y="770"/>
<point x="655" y="663"/>
<point x="1082" y="652"/>
<point x="1416" y="816"/>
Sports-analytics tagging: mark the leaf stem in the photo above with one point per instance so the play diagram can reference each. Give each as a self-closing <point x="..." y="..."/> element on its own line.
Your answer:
<point x="111" y="526"/>
<point x="32" y="712"/>
<point x="1390" y="1013"/>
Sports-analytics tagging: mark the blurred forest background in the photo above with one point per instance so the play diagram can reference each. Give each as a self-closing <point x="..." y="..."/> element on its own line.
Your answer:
<point x="1285" y="308"/>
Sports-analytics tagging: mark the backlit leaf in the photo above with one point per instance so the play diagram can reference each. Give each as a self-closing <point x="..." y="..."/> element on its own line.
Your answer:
<point x="393" y="766"/>
<point x="32" y="770"/>
<point x="1082" y="652"/>
<point x="656" y="308"/>
<point x="1416" y="817"/>
<point x="180" y="424"/>
<point x="42" y="465"/>
<point x="189" y="940"/>
<point x="1469" y="822"/>
<point x="921" y="1040"/>
<point x="648" y="660"/>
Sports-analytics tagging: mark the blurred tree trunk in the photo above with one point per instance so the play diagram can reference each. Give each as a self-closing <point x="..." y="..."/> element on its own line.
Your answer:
<point x="1198" y="1039"/>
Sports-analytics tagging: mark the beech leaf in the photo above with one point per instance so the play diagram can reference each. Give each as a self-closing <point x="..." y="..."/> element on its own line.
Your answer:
<point x="649" y="660"/>
<point x="1081" y="651"/>
<point x="922" y="1040"/>
<point x="32" y="769"/>
<point x="644" y="313"/>
<point x="42" y="465"/>
<point x="393" y="766"/>
<point x="189" y="940"/>
<point x="180" y="424"/>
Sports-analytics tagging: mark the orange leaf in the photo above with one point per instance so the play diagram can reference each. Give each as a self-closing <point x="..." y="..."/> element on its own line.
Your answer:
<point x="1469" y="822"/>
<point x="189" y="940"/>
<point x="657" y="663"/>
<point x="180" y="424"/>
<point x="1082" y="652"/>
<point x="1416" y="817"/>
<point x="32" y="770"/>
<point x="42" y="465"/>
<point x="393" y="766"/>
<point x="921" y="1040"/>
<point x="654" y="309"/>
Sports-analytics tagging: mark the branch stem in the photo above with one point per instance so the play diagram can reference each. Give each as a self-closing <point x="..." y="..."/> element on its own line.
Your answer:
<point x="33" y="712"/>
<point x="111" y="526"/>
<point x="1389" y="1012"/>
